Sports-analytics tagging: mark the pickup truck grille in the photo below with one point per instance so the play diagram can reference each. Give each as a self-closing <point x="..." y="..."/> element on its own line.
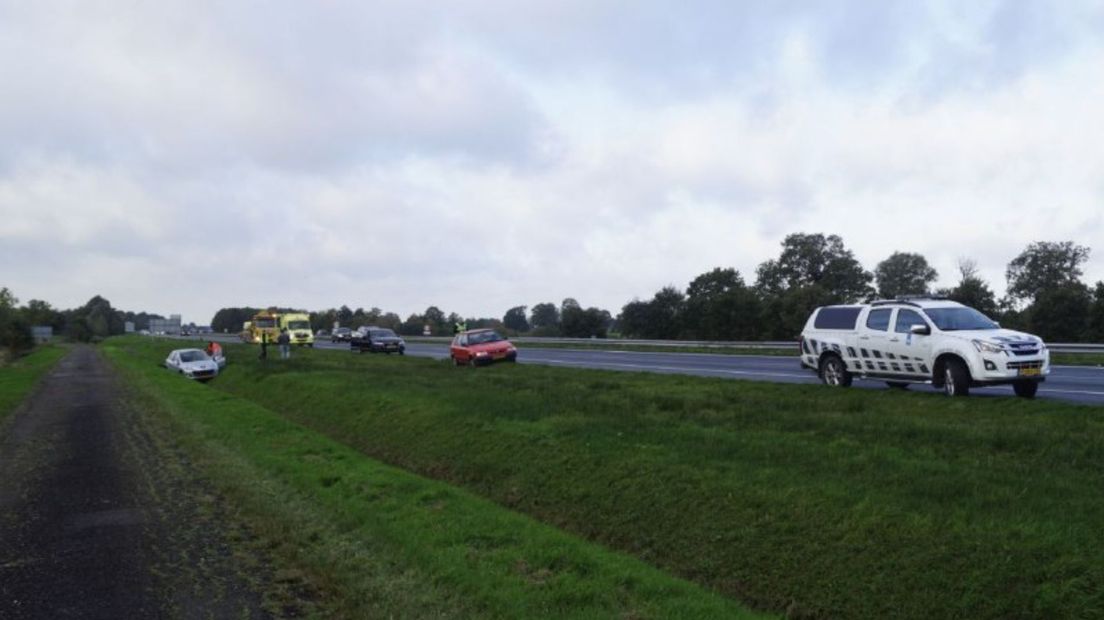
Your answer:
<point x="1023" y="348"/>
<point x="1020" y="365"/>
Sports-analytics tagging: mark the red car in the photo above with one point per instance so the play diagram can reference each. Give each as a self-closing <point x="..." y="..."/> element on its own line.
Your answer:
<point x="481" y="346"/>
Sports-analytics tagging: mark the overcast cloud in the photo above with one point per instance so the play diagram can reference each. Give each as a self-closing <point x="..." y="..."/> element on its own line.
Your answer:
<point x="185" y="156"/>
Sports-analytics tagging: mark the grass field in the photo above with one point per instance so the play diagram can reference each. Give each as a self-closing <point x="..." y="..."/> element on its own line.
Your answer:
<point x="367" y="540"/>
<point x="20" y="376"/>
<point x="795" y="499"/>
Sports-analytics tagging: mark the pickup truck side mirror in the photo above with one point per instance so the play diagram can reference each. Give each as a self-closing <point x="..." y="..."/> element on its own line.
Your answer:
<point x="920" y="330"/>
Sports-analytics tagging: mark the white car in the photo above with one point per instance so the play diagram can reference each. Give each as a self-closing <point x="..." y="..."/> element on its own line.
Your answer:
<point x="921" y="340"/>
<point x="193" y="363"/>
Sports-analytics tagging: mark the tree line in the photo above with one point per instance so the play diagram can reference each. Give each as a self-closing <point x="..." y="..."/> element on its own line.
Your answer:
<point x="1045" y="295"/>
<point x="93" y="321"/>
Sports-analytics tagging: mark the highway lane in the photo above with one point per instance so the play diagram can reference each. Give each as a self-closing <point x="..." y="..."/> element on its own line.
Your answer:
<point x="1081" y="384"/>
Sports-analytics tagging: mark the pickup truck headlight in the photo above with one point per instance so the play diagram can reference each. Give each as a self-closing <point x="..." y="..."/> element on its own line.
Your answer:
<point x="986" y="347"/>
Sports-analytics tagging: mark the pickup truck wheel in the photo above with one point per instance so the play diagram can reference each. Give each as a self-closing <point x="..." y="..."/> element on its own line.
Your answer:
<point x="956" y="378"/>
<point x="834" y="373"/>
<point x="898" y="385"/>
<point x="1026" y="389"/>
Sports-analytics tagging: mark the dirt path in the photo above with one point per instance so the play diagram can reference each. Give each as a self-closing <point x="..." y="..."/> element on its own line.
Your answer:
<point x="100" y="517"/>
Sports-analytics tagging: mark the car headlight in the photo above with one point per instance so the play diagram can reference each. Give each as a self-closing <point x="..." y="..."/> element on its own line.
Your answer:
<point x="987" y="347"/>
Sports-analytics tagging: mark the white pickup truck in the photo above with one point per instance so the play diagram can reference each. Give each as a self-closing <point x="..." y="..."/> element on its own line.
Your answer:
<point x="921" y="340"/>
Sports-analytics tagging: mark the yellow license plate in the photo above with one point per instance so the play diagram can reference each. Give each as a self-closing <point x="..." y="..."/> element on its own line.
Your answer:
<point x="1029" y="372"/>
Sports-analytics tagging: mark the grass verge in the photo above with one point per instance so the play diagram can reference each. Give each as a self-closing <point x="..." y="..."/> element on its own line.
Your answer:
<point x="370" y="540"/>
<point x="1077" y="359"/>
<point x="799" y="499"/>
<point x="19" y="377"/>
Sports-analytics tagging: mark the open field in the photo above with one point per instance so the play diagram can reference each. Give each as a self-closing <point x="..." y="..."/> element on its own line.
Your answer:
<point x="791" y="498"/>
<point x="18" y="378"/>
<point x="368" y="540"/>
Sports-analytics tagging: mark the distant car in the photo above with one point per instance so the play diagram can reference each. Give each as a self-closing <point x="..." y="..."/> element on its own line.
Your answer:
<point x="321" y="334"/>
<point x="481" y="346"/>
<point x="341" y="334"/>
<point x="378" y="340"/>
<point x="192" y="363"/>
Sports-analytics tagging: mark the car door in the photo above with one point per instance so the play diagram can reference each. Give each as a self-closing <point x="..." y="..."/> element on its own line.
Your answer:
<point x="874" y="340"/>
<point x="909" y="351"/>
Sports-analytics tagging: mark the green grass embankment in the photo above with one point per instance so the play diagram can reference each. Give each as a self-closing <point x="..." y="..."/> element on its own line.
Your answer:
<point x="1077" y="359"/>
<point x="371" y="540"/>
<point x="19" y="377"/>
<point x="839" y="503"/>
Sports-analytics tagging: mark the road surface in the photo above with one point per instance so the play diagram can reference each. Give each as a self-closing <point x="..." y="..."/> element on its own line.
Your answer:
<point x="1080" y="384"/>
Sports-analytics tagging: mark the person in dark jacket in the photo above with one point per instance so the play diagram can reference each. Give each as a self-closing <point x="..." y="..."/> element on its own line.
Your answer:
<point x="264" y="346"/>
<point x="285" y="344"/>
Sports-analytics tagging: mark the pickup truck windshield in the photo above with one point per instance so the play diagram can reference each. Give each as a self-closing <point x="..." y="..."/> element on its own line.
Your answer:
<point x="957" y="319"/>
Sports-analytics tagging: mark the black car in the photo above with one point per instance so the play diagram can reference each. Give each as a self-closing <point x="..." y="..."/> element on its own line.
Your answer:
<point x="378" y="340"/>
<point x="341" y="334"/>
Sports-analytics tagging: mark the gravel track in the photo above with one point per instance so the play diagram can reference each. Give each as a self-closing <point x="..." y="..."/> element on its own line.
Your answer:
<point x="102" y="517"/>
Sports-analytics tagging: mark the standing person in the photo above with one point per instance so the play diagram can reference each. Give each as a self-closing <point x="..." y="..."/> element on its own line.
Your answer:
<point x="285" y="344"/>
<point x="264" y="346"/>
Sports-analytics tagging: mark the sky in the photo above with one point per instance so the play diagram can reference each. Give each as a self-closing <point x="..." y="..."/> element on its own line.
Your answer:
<point x="183" y="156"/>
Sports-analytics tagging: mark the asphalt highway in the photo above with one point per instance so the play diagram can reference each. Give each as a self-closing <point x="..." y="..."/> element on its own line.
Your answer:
<point x="1081" y="384"/>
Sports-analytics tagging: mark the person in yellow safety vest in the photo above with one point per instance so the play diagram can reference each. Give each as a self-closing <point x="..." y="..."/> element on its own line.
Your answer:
<point x="460" y="326"/>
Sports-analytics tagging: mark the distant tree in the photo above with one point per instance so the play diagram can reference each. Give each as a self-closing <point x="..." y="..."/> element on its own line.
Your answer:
<point x="101" y="319"/>
<point x="545" y="319"/>
<point x="391" y="321"/>
<point x="972" y="290"/>
<point x="659" y="318"/>
<point x="1095" y="332"/>
<point x="812" y="270"/>
<point x="323" y="319"/>
<point x="437" y="321"/>
<point x="344" y="316"/>
<point x="484" y="322"/>
<point x="1061" y="313"/>
<point x="413" y="325"/>
<point x="38" y="312"/>
<point x="634" y="319"/>
<point x="784" y="315"/>
<point x="1044" y="265"/>
<point x="815" y="260"/>
<point x="230" y="320"/>
<point x="719" y="306"/>
<point x="515" y="319"/>
<point x="15" y="332"/>
<point x="576" y="322"/>
<point x="904" y="273"/>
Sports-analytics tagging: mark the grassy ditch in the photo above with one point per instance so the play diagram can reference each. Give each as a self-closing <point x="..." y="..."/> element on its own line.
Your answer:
<point x="20" y="376"/>
<point x="798" y="499"/>
<point x="370" y="540"/>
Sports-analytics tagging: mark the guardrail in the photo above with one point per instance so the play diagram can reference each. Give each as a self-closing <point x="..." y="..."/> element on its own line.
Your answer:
<point x="705" y="344"/>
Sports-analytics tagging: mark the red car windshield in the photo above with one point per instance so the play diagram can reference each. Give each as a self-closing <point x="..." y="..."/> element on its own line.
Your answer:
<point x="483" y="337"/>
